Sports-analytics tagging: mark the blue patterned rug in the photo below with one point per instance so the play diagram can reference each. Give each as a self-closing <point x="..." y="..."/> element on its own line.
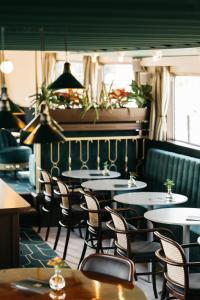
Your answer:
<point x="34" y="252"/>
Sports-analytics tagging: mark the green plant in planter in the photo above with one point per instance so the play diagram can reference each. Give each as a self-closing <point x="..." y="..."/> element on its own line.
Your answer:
<point x="141" y="94"/>
<point x="45" y="96"/>
<point x="87" y="104"/>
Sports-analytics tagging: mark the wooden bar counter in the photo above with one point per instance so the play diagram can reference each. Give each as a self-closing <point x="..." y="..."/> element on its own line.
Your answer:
<point x="10" y="205"/>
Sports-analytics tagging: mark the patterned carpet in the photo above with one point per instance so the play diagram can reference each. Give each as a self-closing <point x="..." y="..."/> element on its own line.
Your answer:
<point x="34" y="252"/>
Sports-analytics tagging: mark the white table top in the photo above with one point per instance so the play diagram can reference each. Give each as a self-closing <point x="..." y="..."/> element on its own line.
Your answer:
<point x="175" y="215"/>
<point x="90" y="174"/>
<point x="149" y="198"/>
<point x="112" y="185"/>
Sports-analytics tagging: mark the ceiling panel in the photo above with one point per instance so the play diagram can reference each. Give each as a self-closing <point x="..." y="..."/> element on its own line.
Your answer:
<point x="104" y="25"/>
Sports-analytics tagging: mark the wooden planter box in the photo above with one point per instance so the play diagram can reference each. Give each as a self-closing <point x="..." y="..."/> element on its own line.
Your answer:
<point x="116" y="119"/>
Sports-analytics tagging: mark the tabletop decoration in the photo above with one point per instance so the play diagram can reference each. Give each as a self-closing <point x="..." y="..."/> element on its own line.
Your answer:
<point x="169" y="183"/>
<point x="57" y="281"/>
<point x="105" y="168"/>
<point x="132" y="181"/>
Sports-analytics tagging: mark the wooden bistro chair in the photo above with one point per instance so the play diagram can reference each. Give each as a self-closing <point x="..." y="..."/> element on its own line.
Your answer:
<point x="72" y="215"/>
<point x="109" y="267"/>
<point x="48" y="202"/>
<point x="96" y="229"/>
<point x="180" y="282"/>
<point x="129" y="243"/>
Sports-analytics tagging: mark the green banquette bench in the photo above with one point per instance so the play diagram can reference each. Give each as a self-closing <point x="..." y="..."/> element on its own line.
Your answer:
<point x="184" y="170"/>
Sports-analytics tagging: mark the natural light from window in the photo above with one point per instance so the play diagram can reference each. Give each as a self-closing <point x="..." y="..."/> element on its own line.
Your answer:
<point x="118" y="75"/>
<point x="187" y="109"/>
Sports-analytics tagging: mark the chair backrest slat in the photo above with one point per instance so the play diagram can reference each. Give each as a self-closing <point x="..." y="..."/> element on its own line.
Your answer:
<point x="65" y="194"/>
<point x="120" y="224"/>
<point x="92" y="204"/>
<point x="48" y="183"/>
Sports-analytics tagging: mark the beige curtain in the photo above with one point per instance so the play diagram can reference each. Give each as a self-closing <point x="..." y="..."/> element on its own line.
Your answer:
<point x="49" y="63"/>
<point x="137" y="68"/>
<point x="2" y="76"/>
<point x="91" y="75"/>
<point x="159" y="105"/>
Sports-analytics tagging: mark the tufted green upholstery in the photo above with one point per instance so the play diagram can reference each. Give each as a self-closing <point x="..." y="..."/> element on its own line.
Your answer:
<point x="182" y="169"/>
<point x="12" y="156"/>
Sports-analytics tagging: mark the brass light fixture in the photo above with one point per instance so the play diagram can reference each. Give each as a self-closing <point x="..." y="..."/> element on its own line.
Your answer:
<point x="66" y="80"/>
<point x="43" y="128"/>
<point x="7" y="119"/>
<point x="45" y="131"/>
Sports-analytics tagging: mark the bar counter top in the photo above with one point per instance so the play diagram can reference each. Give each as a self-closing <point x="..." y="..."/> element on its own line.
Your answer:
<point x="10" y="200"/>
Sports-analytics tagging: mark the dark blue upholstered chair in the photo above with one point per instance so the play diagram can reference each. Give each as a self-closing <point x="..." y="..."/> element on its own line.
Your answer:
<point x="13" y="157"/>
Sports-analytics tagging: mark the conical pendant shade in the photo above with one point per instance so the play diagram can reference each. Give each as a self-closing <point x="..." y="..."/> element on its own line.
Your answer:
<point x="36" y="120"/>
<point x="66" y="80"/>
<point x="45" y="132"/>
<point x="15" y="109"/>
<point x="7" y="119"/>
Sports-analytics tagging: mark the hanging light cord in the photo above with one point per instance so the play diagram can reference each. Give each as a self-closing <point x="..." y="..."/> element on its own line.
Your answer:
<point x="65" y="41"/>
<point x="2" y="53"/>
<point x="42" y="47"/>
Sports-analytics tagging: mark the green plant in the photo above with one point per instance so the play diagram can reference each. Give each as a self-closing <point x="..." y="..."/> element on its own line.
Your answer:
<point x="168" y="183"/>
<point x="141" y="94"/>
<point x="45" y="96"/>
<point x="106" y="164"/>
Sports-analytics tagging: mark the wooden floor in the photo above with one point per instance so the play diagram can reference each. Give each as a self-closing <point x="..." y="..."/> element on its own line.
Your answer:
<point x="74" y="252"/>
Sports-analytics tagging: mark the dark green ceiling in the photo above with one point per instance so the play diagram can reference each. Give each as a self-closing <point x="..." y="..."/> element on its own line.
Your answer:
<point x="104" y="25"/>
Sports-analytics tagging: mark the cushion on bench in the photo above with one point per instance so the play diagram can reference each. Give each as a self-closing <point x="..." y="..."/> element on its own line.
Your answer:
<point x="183" y="170"/>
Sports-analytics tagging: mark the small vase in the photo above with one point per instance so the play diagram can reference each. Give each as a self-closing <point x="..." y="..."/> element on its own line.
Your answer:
<point x="106" y="171"/>
<point x="169" y="193"/>
<point x="131" y="181"/>
<point x="57" y="281"/>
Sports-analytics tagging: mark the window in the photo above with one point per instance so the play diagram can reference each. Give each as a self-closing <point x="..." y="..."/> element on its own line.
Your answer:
<point x="76" y="69"/>
<point x="119" y="75"/>
<point x="187" y="109"/>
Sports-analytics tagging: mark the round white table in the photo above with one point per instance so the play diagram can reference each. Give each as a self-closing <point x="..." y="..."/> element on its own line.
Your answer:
<point x="150" y="199"/>
<point x="112" y="185"/>
<point x="90" y="174"/>
<point x="183" y="216"/>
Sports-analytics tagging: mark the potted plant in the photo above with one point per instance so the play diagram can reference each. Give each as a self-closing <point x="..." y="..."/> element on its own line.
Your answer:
<point x="141" y="94"/>
<point x="169" y="183"/>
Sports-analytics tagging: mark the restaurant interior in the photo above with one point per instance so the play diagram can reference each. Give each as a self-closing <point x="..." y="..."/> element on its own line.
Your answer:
<point x="100" y="150"/>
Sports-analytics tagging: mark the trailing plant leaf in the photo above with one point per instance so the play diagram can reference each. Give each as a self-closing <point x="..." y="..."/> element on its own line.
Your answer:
<point x="141" y="94"/>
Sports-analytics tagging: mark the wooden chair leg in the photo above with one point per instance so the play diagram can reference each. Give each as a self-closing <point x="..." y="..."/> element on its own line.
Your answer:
<point x="84" y="247"/>
<point x="48" y="226"/>
<point x="66" y="242"/>
<point x="154" y="279"/>
<point x="57" y="237"/>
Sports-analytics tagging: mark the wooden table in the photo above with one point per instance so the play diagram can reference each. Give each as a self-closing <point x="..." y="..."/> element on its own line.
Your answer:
<point x="90" y="174"/>
<point x="10" y="205"/>
<point x="78" y="286"/>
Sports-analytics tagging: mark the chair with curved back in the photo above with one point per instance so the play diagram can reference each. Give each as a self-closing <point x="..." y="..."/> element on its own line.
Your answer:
<point x="132" y="243"/>
<point x="180" y="282"/>
<point x="96" y="230"/>
<point x="109" y="267"/>
<point x="13" y="157"/>
<point x="47" y="205"/>
<point x="72" y="215"/>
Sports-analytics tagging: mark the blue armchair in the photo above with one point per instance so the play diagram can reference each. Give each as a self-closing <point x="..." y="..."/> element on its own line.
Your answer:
<point x="13" y="157"/>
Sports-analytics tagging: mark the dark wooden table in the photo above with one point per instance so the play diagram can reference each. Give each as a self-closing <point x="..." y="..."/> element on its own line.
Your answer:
<point x="78" y="286"/>
<point x="10" y="205"/>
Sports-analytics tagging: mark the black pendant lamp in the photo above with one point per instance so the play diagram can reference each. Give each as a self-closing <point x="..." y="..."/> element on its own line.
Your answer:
<point x="7" y="119"/>
<point x="66" y="80"/>
<point x="44" y="132"/>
